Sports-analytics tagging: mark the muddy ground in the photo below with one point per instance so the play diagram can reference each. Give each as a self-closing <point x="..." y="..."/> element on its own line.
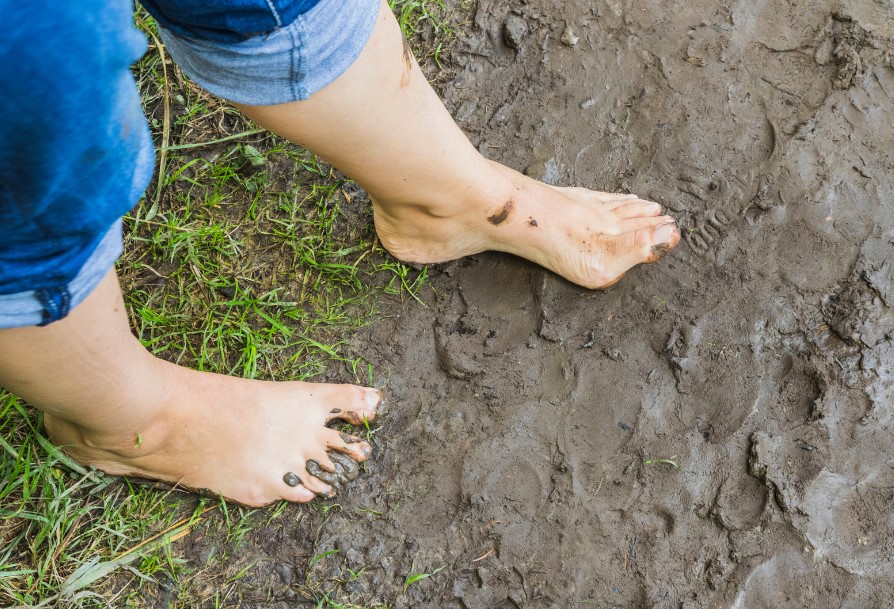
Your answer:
<point x="714" y="431"/>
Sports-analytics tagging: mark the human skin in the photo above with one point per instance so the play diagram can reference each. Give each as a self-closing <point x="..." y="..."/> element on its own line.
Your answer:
<point x="109" y="403"/>
<point x="436" y="198"/>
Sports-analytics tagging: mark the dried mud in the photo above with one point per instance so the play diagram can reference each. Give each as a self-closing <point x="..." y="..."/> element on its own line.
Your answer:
<point x="531" y="424"/>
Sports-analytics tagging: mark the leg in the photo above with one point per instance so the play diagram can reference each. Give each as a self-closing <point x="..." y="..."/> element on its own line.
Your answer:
<point x="110" y="403"/>
<point x="436" y="198"/>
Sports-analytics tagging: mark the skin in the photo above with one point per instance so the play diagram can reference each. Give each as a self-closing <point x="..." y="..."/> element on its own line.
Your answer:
<point x="111" y="404"/>
<point x="436" y="198"/>
<point x="233" y="436"/>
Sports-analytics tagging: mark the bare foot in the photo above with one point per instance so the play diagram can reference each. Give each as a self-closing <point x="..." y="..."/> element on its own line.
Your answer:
<point x="591" y="238"/>
<point x="235" y="437"/>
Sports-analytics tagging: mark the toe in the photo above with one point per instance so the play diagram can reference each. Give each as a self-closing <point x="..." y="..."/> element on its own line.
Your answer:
<point x="314" y="484"/>
<point x="638" y="209"/>
<point x="656" y="242"/>
<point x="632" y="248"/>
<point x="321" y="458"/>
<point x="361" y="407"/>
<point x="299" y="494"/>
<point x="632" y="225"/>
<point x="349" y="445"/>
<point x="665" y="237"/>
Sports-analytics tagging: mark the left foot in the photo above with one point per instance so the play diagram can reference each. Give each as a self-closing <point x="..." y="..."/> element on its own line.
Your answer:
<point x="589" y="237"/>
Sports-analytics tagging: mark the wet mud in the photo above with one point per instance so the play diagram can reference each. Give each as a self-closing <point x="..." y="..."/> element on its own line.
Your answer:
<point x="715" y="430"/>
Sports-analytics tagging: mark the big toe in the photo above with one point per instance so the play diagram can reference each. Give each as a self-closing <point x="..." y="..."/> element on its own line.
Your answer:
<point x="629" y="249"/>
<point x="662" y="239"/>
<point x="359" y="408"/>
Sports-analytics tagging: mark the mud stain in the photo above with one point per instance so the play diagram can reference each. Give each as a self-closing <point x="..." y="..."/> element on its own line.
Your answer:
<point x="498" y="218"/>
<point x="658" y="251"/>
<point x="408" y="64"/>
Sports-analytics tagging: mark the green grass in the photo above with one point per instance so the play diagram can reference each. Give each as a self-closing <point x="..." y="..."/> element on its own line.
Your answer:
<point x="429" y="27"/>
<point x="248" y="256"/>
<point x="413" y="577"/>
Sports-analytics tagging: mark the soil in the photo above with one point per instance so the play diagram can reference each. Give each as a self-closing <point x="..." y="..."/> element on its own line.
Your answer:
<point x="714" y="431"/>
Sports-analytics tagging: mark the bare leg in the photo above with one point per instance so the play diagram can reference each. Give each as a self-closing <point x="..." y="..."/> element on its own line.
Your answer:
<point x="436" y="198"/>
<point x="110" y="403"/>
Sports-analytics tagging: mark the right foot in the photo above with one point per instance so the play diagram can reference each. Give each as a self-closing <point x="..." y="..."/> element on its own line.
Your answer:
<point x="234" y="437"/>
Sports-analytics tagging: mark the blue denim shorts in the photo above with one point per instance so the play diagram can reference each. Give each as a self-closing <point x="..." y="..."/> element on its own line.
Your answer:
<point x="78" y="154"/>
<point x="290" y="63"/>
<point x="75" y="150"/>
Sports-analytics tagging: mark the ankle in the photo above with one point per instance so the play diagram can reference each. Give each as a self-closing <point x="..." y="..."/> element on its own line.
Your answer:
<point x="135" y="418"/>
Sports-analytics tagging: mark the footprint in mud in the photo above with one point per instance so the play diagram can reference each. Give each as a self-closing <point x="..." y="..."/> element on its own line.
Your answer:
<point x="739" y="502"/>
<point x="503" y="478"/>
<point x="507" y="480"/>
<point x="711" y="189"/>
<point x="494" y="311"/>
<point x="716" y="371"/>
<point x="788" y="463"/>
<point x="706" y="231"/>
<point x="791" y="577"/>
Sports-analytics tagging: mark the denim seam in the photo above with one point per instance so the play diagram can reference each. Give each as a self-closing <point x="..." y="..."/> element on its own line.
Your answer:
<point x="298" y="57"/>
<point x="56" y="303"/>
<point x="273" y="10"/>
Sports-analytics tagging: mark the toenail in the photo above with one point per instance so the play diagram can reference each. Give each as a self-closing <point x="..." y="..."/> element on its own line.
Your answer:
<point x="373" y="397"/>
<point x="666" y="232"/>
<point x="291" y="479"/>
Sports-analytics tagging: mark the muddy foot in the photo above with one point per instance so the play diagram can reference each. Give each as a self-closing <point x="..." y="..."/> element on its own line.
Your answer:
<point x="589" y="237"/>
<point x="254" y="442"/>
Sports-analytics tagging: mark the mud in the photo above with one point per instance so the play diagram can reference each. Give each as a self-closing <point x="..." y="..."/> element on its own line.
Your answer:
<point x="715" y="430"/>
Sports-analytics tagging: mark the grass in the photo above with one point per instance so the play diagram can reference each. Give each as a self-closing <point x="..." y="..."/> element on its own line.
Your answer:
<point x="426" y="24"/>
<point x="413" y="577"/>
<point x="248" y="256"/>
<point x="670" y="462"/>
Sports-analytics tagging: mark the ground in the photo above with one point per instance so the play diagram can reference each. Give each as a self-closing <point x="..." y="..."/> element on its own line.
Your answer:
<point x="714" y="431"/>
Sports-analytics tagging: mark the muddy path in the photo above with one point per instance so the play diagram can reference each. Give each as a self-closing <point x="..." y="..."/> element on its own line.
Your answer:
<point x="715" y="431"/>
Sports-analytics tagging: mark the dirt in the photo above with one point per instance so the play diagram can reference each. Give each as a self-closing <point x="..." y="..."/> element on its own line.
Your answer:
<point x="714" y="431"/>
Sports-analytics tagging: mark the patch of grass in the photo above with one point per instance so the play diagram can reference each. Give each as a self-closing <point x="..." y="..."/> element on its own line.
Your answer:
<point x="63" y="527"/>
<point x="429" y="27"/>
<point x="415" y="17"/>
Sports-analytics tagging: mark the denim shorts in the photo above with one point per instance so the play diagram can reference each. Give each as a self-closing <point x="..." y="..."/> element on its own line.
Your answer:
<point x="78" y="154"/>
<point x="288" y="64"/>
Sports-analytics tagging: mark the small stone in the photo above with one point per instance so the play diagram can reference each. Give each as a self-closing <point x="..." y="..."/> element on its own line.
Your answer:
<point x="465" y="111"/>
<point x="286" y="574"/>
<point x="614" y="354"/>
<point x="568" y="38"/>
<point x="514" y="30"/>
<point x="588" y="103"/>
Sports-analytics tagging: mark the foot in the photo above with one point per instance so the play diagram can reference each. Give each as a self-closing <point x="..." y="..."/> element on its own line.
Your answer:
<point x="591" y="238"/>
<point x="234" y="437"/>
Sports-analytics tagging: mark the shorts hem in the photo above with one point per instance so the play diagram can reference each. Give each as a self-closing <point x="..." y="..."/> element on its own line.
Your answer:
<point x="289" y="64"/>
<point x="28" y="308"/>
